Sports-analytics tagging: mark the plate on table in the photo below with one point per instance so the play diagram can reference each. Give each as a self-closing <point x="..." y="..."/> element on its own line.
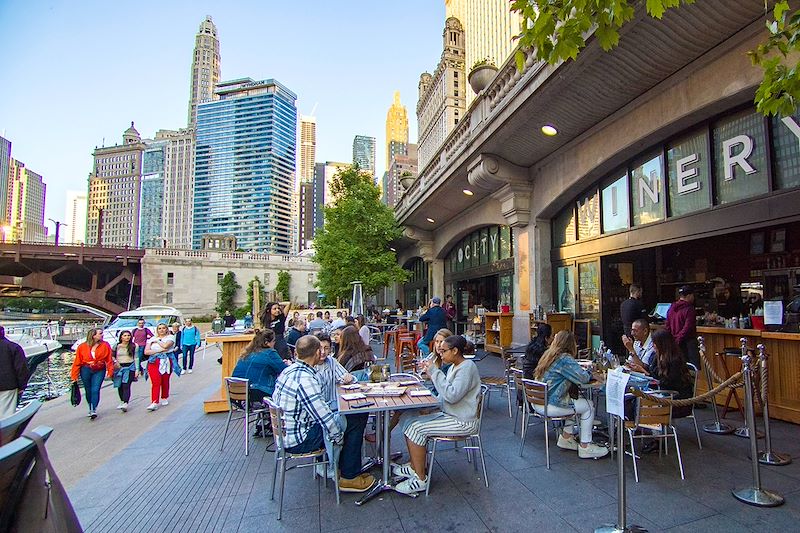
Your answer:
<point x="353" y="396"/>
<point x="385" y="391"/>
<point x="354" y="386"/>
<point x="420" y="392"/>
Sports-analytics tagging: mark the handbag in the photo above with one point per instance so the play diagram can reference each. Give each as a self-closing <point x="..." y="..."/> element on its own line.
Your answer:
<point x="75" y="394"/>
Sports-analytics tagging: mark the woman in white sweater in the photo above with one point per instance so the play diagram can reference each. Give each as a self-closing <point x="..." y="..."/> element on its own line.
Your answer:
<point x="459" y="392"/>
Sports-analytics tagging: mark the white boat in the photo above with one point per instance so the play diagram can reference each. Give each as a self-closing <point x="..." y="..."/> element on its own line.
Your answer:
<point x="36" y="350"/>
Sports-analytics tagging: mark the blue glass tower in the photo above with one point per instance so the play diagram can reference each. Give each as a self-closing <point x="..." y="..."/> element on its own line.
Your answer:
<point x="245" y="165"/>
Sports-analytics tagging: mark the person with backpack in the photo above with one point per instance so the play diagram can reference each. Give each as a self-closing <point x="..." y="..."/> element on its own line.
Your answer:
<point x="190" y="341"/>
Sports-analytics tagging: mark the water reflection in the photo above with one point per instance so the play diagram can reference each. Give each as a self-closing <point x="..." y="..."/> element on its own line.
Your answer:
<point x="50" y="380"/>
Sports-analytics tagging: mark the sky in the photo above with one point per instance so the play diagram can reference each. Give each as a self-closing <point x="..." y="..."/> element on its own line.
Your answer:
<point x="76" y="73"/>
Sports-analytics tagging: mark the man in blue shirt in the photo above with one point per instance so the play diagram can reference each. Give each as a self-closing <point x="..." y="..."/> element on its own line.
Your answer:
<point x="436" y="318"/>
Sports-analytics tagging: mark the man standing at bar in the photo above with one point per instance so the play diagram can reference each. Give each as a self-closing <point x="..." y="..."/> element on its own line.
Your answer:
<point x="632" y="308"/>
<point x="682" y="324"/>
<point x="436" y="319"/>
<point x="13" y="374"/>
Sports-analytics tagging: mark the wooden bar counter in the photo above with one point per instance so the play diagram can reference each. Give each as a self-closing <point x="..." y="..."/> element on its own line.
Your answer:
<point x="231" y="346"/>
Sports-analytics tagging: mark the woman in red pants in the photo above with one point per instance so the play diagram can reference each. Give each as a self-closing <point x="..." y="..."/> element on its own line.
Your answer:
<point x="160" y="360"/>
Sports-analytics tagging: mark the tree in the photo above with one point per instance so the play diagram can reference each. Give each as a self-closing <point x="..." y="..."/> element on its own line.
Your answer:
<point x="282" y="287"/>
<point x="557" y="31"/>
<point x="227" y="291"/>
<point x="248" y="307"/>
<point x="354" y="242"/>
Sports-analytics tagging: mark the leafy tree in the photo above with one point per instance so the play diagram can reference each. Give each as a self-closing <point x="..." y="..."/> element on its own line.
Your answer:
<point x="354" y="242"/>
<point x="557" y="31"/>
<point x="227" y="291"/>
<point x="282" y="287"/>
<point x="248" y="307"/>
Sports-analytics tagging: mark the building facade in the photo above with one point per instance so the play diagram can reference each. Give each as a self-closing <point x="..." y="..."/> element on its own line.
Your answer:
<point x="245" y="165"/>
<point x="396" y="125"/>
<point x="308" y="148"/>
<point x="151" y="200"/>
<point x="178" y="190"/>
<point x="75" y="218"/>
<point x="403" y="165"/>
<point x="364" y="153"/>
<point x="206" y="66"/>
<point x="25" y="206"/>
<point x="5" y="159"/>
<point x="114" y="192"/>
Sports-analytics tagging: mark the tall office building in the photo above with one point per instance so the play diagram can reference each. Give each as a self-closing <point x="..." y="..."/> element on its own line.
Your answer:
<point x="151" y="199"/>
<point x="205" y="67"/>
<point x="364" y="154"/>
<point x="25" y="207"/>
<point x="5" y="158"/>
<point x="396" y="125"/>
<point x="178" y="193"/>
<point x="114" y="191"/>
<point x="306" y="210"/>
<point x="314" y="195"/>
<point x="302" y="210"/>
<point x="244" y="174"/>
<point x="489" y="28"/>
<point x="402" y="165"/>
<point x="308" y="148"/>
<point x="75" y="218"/>
<point x="442" y="100"/>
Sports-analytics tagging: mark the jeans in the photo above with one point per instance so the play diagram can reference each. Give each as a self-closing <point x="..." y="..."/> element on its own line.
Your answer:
<point x="350" y="458"/>
<point x="139" y="357"/>
<point x="188" y="353"/>
<point x="582" y="408"/>
<point x="424" y="349"/>
<point x="92" y="381"/>
<point x="312" y="442"/>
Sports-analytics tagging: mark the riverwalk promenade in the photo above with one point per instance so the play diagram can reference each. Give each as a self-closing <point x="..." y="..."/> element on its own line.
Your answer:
<point x="164" y="472"/>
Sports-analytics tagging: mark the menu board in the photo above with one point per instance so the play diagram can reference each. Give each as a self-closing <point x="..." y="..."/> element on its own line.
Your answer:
<point x="588" y="290"/>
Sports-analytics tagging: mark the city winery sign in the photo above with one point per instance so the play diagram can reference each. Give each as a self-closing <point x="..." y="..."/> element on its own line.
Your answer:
<point x="483" y="246"/>
<point x="470" y="249"/>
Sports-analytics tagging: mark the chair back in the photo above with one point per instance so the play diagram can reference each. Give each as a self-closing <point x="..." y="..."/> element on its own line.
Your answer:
<point x="12" y="427"/>
<point x="238" y="390"/>
<point x="481" y="400"/>
<point x="693" y="373"/>
<point x="535" y="392"/>
<point x="516" y="375"/>
<point x="16" y="460"/>
<point x="651" y="413"/>
<point x="277" y="422"/>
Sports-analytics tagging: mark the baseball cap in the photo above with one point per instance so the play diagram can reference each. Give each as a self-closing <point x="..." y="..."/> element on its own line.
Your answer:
<point x="686" y="290"/>
<point x="436" y="300"/>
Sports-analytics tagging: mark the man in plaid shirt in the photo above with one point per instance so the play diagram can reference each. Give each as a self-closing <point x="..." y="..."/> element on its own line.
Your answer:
<point x="308" y="418"/>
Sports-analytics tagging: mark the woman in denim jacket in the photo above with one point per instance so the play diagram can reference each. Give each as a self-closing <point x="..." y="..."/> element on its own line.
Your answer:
<point x="560" y="370"/>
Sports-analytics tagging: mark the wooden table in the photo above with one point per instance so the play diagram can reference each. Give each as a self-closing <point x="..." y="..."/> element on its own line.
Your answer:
<point x="381" y="405"/>
<point x="232" y="346"/>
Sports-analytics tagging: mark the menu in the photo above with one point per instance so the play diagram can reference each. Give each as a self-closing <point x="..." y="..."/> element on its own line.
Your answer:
<point x="616" y="382"/>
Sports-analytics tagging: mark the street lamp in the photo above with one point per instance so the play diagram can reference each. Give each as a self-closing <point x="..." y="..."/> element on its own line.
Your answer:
<point x="58" y="227"/>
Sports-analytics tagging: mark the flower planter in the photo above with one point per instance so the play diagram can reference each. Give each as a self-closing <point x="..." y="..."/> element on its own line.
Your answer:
<point x="481" y="76"/>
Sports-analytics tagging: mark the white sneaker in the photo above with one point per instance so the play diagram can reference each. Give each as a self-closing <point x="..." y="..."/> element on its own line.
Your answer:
<point x="124" y="407"/>
<point x="189" y="371"/>
<point x="321" y="470"/>
<point x="592" y="451"/>
<point x="164" y="401"/>
<point x="120" y="405"/>
<point x="411" y="485"/>
<point x="567" y="444"/>
<point x="404" y="470"/>
<point x="152" y="407"/>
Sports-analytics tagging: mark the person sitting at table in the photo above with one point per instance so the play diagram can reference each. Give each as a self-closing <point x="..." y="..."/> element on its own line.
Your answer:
<point x="436" y="319"/>
<point x="308" y="418"/>
<point x="297" y="330"/>
<point x="318" y="324"/>
<point x="561" y="371"/>
<point x="536" y="348"/>
<point x="327" y="317"/>
<point x="438" y="339"/>
<point x="459" y="392"/>
<point x="353" y="354"/>
<point x="338" y="322"/>
<point x="640" y="347"/>
<point x="363" y="329"/>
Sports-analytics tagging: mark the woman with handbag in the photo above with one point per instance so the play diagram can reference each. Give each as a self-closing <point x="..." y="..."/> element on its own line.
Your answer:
<point x="124" y="368"/>
<point x="92" y="363"/>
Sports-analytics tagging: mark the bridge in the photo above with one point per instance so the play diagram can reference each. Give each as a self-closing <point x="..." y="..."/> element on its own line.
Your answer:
<point x="106" y="278"/>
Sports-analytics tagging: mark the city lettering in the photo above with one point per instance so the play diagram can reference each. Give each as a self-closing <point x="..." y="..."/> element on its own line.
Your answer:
<point x="685" y="173"/>
<point x="790" y="123"/>
<point x="730" y="160"/>
<point x="648" y="187"/>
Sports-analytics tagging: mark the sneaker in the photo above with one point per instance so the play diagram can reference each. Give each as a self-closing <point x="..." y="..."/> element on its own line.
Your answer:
<point x="189" y="371"/>
<point x="321" y="470"/>
<point x="152" y="407"/>
<point x="120" y="405"/>
<point x="404" y="470"/>
<point x="360" y="483"/>
<point x="93" y="415"/>
<point x="567" y="444"/>
<point x="124" y="407"/>
<point x="90" y="413"/>
<point x="164" y="401"/>
<point x="411" y="485"/>
<point x="592" y="451"/>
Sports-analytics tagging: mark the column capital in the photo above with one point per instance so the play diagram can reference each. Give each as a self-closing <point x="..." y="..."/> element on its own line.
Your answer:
<point x="490" y="172"/>
<point x="515" y="203"/>
<point x="424" y="241"/>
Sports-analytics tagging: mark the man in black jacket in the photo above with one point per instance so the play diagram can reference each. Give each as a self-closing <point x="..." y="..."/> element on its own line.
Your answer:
<point x="632" y="309"/>
<point x="13" y="374"/>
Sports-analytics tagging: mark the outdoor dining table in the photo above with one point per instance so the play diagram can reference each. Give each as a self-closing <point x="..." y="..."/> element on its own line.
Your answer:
<point x="381" y="406"/>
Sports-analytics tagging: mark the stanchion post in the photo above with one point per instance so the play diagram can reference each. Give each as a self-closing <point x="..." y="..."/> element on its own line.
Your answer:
<point x="754" y="495"/>
<point x="768" y="457"/>
<point x="745" y="430"/>
<point x="716" y="427"/>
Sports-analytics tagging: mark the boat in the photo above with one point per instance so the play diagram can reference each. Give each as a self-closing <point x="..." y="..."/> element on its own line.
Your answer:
<point x="36" y="350"/>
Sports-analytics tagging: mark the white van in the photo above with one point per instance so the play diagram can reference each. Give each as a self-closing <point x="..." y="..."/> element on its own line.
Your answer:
<point x="153" y="315"/>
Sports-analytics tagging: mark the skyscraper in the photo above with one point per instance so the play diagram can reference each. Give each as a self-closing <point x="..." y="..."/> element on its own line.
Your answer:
<point x="178" y="194"/>
<point x="75" y="218"/>
<point x="5" y="158"/>
<point x="151" y="200"/>
<point x="26" y="194"/>
<point x="308" y="148"/>
<point x="245" y="165"/>
<point x="114" y="192"/>
<point x="402" y="165"/>
<point x="205" y="67"/>
<point x="489" y="29"/>
<point x="396" y="125"/>
<point x="364" y="154"/>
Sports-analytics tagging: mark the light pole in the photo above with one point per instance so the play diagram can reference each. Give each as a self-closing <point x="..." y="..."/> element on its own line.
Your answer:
<point x="58" y="227"/>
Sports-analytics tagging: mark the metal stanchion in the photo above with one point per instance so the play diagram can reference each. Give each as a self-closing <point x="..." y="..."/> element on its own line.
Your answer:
<point x="621" y="525"/>
<point x="754" y="495"/>
<point x="717" y="427"/>
<point x="768" y="457"/>
<point x="744" y="431"/>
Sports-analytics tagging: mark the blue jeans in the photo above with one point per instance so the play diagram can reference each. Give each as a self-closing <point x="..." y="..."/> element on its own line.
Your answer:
<point x="92" y="381"/>
<point x="312" y="442"/>
<point x="139" y="357"/>
<point x="188" y="353"/>
<point x="422" y="344"/>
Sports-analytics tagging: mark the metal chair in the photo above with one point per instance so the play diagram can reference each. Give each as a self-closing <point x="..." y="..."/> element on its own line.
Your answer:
<point x="693" y="372"/>
<point x="501" y="383"/>
<point x="516" y="375"/>
<point x="655" y="417"/>
<point x="375" y="335"/>
<point x="535" y="403"/>
<point x="282" y="457"/>
<point x="12" y="427"/>
<point x="238" y="391"/>
<point x="472" y="443"/>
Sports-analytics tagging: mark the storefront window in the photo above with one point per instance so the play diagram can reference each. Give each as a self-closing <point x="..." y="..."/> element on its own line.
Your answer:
<point x="589" y="215"/>
<point x="615" y="204"/>
<point x="506" y="290"/>
<point x="740" y="166"/>
<point x="505" y="242"/>
<point x="589" y="290"/>
<point x="786" y="149"/>
<point x="688" y="167"/>
<point x="647" y="184"/>
<point x="564" y="227"/>
<point x="566" y="284"/>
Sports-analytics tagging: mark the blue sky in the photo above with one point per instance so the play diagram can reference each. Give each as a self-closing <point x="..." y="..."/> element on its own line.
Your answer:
<point x="76" y="73"/>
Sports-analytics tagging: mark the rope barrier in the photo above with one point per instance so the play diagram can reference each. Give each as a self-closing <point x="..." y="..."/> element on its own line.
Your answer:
<point x="732" y="382"/>
<point x="764" y="384"/>
<point x="710" y="367"/>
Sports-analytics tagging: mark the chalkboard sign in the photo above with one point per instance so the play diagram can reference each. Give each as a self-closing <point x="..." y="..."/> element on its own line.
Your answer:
<point x="582" y="328"/>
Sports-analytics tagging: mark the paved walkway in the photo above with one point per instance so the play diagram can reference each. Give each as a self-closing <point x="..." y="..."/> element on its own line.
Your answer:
<point x="174" y="478"/>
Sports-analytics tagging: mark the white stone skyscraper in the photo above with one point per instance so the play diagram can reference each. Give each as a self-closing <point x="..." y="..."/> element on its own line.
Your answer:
<point x="176" y="226"/>
<point x="308" y="148"/>
<point x="205" y="67"/>
<point x="75" y="218"/>
<point x="25" y="209"/>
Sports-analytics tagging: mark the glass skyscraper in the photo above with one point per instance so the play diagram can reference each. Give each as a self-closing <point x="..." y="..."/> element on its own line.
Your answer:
<point x="245" y="165"/>
<point x="151" y="203"/>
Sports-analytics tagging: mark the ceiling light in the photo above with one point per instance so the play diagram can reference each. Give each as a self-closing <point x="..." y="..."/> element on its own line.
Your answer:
<point x="429" y="219"/>
<point x="468" y="192"/>
<point x="549" y="130"/>
<point x="392" y="249"/>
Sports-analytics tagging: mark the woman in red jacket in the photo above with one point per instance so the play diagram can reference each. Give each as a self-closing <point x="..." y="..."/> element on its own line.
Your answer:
<point x="92" y="363"/>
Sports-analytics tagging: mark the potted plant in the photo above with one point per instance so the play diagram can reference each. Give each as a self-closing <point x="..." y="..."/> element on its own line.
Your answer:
<point x="407" y="179"/>
<point x="481" y="74"/>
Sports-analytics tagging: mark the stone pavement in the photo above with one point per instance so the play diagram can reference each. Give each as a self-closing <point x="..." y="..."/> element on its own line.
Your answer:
<point x="174" y="478"/>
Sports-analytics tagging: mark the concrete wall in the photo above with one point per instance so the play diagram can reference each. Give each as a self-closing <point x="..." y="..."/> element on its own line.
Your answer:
<point x="194" y="282"/>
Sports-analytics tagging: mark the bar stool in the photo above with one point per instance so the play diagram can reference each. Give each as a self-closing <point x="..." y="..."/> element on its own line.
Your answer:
<point x="403" y="331"/>
<point x="389" y="336"/>
<point x="722" y="358"/>
<point x="404" y="340"/>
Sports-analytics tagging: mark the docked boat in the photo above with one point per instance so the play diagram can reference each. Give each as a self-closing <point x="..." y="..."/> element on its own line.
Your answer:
<point x="36" y="350"/>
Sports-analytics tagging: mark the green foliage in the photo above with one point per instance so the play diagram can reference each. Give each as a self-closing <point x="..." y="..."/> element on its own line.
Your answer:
<point x="557" y="31"/>
<point x="33" y="305"/>
<point x="248" y="307"/>
<point x="354" y="242"/>
<point x="282" y="287"/>
<point x="488" y="61"/>
<point x="227" y="291"/>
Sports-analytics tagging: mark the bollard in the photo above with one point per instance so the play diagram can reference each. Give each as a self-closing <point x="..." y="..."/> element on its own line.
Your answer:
<point x="744" y="431"/>
<point x="717" y="427"/>
<point x="768" y="457"/>
<point x="754" y="495"/>
<point x="621" y="526"/>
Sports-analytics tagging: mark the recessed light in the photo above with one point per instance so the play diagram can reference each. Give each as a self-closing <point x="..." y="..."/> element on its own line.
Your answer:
<point x="468" y="192"/>
<point x="549" y="130"/>
<point x="429" y="219"/>
<point x="392" y="249"/>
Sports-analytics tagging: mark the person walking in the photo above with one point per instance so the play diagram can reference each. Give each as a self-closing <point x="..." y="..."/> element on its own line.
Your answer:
<point x="190" y="341"/>
<point x="160" y="364"/>
<point x="124" y="368"/>
<point x="141" y="334"/>
<point x="14" y="374"/>
<point x="92" y="363"/>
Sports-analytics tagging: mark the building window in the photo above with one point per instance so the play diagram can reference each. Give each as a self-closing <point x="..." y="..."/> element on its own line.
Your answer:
<point x="220" y="275"/>
<point x="168" y="298"/>
<point x="170" y="278"/>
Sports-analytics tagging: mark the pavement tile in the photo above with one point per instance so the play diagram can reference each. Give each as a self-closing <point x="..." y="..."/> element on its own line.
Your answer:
<point x="301" y="520"/>
<point x="587" y="519"/>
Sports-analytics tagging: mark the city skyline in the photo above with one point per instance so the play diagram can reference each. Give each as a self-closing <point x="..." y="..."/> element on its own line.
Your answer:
<point x="155" y="98"/>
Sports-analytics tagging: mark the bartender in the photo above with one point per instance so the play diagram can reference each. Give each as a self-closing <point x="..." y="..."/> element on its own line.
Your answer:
<point x="729" y="303"/>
